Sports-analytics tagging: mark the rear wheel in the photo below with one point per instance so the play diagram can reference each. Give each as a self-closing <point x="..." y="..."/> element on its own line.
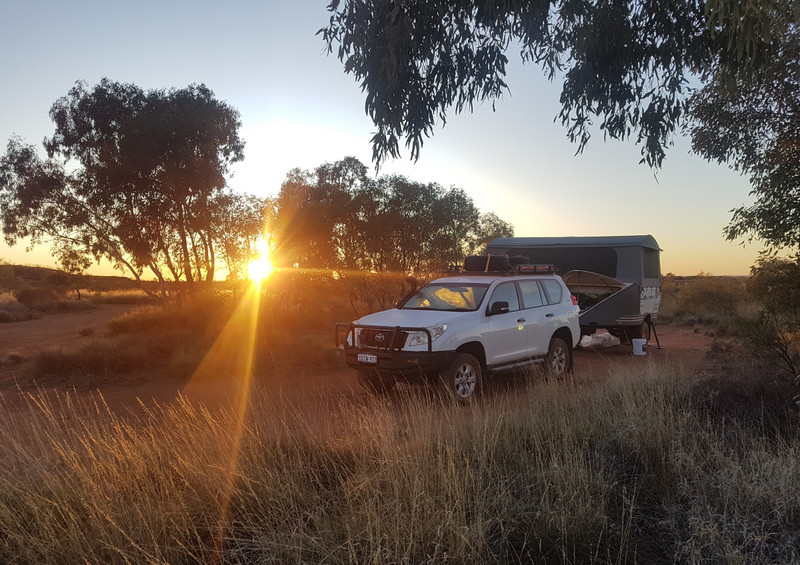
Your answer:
<point x="374" y="382"/>
<point x="558" y="358"/>
<point x="463" y="379"/>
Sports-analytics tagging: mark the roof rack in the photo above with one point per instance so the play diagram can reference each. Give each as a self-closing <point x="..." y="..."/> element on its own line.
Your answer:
<point x="535" y="268"/>
<point x="503" y="265"/>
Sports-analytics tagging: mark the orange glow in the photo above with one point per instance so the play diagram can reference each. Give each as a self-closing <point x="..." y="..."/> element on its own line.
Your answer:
<point x="260" y="267"/>
<point x="224" y="378"/>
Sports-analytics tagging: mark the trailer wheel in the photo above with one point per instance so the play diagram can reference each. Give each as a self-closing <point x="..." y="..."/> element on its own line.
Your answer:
<point x="640" y="332"/>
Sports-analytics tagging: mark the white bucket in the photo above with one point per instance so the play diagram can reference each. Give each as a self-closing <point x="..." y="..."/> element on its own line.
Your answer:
<point x="639" y="346"/>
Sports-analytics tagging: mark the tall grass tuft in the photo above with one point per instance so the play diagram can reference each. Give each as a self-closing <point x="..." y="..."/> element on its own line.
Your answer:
<point x="633" y="470"/>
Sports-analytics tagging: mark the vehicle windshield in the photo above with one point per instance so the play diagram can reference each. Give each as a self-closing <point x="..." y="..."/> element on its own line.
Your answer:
<point x="447" y="297"/>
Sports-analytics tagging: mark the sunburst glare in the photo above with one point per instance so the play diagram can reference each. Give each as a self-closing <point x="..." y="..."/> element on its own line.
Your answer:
<point x="260" y="266"/>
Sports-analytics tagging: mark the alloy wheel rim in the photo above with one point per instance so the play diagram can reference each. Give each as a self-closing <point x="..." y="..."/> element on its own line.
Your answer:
<point x="559" y="363"/>
<point x="465" y="381"/>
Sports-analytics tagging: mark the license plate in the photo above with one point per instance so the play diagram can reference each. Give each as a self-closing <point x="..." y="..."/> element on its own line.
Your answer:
<point x="367" y="358"/>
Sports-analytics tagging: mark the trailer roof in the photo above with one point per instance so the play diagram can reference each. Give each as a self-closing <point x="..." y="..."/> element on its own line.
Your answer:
<point x="598" y="241"/>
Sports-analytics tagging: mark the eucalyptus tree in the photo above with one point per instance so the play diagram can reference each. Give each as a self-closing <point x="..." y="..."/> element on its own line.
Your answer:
<point x="129" y="176"/>
<point x="629" y="69"/>
<point x="625" y="64"/>
<point x="337" y="217"/>
<point x="241" y="225"/>
<point x="318" y="221"/>
<point x="490" y="226"/>
<point x="752" y="124"/>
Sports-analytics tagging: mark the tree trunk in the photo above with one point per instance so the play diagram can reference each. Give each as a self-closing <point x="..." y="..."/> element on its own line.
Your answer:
<point x="187" y="262"/>
<point x="210" y="260"/>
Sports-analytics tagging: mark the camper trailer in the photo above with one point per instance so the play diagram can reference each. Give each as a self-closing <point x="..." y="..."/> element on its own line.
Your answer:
<point x="616" y="279"/>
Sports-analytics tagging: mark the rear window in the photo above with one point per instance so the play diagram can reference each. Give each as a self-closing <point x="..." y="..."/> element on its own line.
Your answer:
<point x="552" y="290"/>
<point x="531" y="295"/>
<point x="652" y="269"/>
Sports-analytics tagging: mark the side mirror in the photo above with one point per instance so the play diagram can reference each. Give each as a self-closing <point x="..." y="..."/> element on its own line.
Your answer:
<point x="414" y="282"/>
<point x="499" y="307"/>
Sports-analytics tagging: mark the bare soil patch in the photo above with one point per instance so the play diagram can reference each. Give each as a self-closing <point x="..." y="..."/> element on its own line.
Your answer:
<point x="61" y="329"/>
<point x="680" y="345"/>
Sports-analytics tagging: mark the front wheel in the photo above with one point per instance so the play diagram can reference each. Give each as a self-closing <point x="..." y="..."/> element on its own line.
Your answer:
<point x="558" y="358"/>
<point x="463" y="379"/>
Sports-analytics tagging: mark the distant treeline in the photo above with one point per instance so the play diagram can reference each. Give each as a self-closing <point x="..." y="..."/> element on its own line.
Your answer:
<point x="138" y="178"/>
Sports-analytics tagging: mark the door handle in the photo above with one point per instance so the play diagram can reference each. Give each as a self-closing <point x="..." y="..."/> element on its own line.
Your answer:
<point x="550" y="315"/>
<point x="520" y="320"/>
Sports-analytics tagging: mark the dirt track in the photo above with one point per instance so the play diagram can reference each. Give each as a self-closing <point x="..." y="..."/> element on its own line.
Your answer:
<point x="678" y="345"/>
<point x="25" y="338"/>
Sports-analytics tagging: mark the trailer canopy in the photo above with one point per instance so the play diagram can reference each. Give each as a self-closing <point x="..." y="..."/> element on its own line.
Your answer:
<point x="628" y="258"/>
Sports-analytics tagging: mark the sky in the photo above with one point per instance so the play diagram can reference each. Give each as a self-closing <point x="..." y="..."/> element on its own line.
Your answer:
<point x="299" y="109"/>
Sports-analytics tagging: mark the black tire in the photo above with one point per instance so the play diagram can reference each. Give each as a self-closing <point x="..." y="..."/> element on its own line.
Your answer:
<point x="639" y="332"/>
<point x="621" y="334"/>
<point x="559" y="359"/>
<point x="463" y="378"/>
<point x="373" y="382"/>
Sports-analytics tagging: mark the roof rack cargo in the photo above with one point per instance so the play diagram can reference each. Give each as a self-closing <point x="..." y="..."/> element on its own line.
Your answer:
<point x="495" y="264"/>
<point x="487" y="264"/>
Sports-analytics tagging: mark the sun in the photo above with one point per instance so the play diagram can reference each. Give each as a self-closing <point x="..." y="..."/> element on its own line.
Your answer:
<point x="260" y="267"/>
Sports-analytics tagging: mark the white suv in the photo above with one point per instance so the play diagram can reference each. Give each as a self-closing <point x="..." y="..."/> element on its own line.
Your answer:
<point x="457" y="329"/>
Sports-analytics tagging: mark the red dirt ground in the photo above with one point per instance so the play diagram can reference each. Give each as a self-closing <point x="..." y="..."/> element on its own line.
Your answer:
<point x="20" y="340"/>
<point x="25" y="338"/>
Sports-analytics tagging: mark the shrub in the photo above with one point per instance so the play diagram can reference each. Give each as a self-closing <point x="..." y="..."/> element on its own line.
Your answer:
<point x="705" y="299"/>
<point x="775" y="333"/>
<point x="775" y="282"/>
<point x="775" y="336"/>
<point x="38" y="297"/>
<point x="132" y="296"/>
<point x="16" y="312"/>
<point x="713" y="297"/>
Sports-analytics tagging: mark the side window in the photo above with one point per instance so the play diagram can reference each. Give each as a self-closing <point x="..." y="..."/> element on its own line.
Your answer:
<point x="552" y="290"/>
<point x="506" y="292"/>
<point x="531" y="295"/>
<point x="651" y="266"/>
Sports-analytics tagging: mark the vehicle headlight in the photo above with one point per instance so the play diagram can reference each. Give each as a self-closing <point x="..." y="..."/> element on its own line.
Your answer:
<point x="421" y="338"/>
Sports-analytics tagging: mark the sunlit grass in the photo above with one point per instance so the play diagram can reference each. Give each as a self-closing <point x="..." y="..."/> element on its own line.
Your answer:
<point x="227" y="371"/>
<point x="629" y="471"/>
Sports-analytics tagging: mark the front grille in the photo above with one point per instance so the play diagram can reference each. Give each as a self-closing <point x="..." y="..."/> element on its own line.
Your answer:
<point x="381" y="338"/>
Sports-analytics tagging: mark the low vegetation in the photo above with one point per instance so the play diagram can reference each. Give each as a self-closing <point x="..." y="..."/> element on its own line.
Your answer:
<point x="654" y="465"/>
<point x="636" y="470"/>
<point x="26" y="293"/>
<point x="705" y="300"/>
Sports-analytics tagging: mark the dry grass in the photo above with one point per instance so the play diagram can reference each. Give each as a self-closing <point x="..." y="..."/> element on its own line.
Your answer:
<point x="706" y="300"/>
<point x="161" y="342"/>
<point x="653" y="466"/>
<point x="31" y="302"/>
<point x="633" y="471"/>
<point x="119" y="296"/>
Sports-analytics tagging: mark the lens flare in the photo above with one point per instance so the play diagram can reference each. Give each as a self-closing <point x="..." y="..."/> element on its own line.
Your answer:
<point x="260" y="267"/>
